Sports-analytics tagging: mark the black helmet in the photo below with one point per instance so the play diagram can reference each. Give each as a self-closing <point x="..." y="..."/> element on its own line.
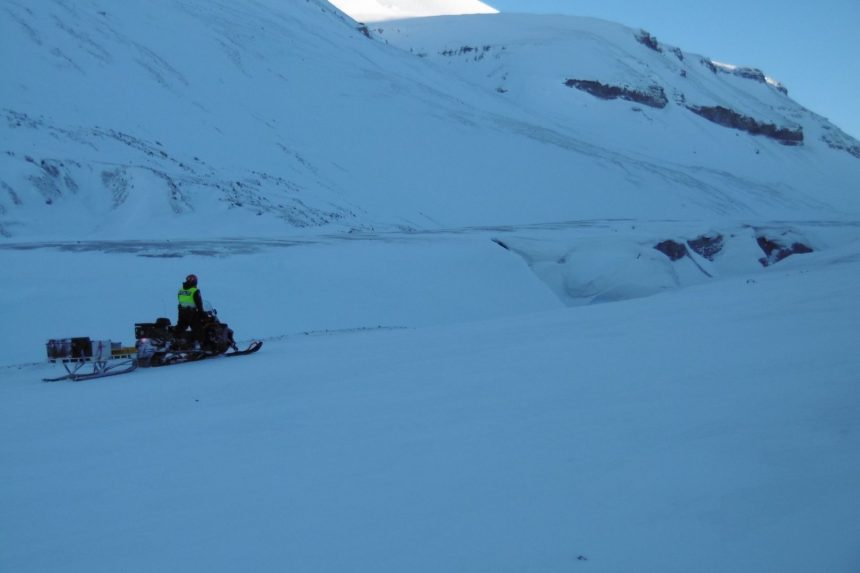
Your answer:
<point x="191" y="280"/>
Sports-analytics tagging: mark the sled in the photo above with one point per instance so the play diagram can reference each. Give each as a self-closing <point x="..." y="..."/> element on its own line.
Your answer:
<point x="85" y="359"/>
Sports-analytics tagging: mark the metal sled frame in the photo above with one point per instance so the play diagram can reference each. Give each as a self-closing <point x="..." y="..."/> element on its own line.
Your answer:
<point x="86" y="359"/>
<point x="98" y="368"/>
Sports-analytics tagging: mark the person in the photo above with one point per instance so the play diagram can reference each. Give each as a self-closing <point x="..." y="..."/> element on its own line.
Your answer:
<point x="190" y="309"/>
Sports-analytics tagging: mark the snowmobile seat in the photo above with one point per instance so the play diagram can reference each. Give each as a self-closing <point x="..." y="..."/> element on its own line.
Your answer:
<point x="143" y="329"/>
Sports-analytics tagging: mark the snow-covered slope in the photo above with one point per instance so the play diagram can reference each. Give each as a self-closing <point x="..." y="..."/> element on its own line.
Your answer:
<point x="710" y="429"/>
<point x="623" y="89"/>
<point x="170" y="119"/>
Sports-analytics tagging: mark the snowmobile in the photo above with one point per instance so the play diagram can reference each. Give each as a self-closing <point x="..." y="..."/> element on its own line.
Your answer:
<point x="156" y="344"/>
<point x="159" y="343"/>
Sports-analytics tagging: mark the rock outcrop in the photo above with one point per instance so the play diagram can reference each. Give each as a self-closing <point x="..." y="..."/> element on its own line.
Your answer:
<point x="672" y="249"/>
<point x="646" y="39"/>
<point x="704" y="245"/>
<point x="775" y="251"/>
<point x="835" y="138"/>
<point x="730" y="118"/>
<point x="652" y="96"/>
<point x="707" y="246"/>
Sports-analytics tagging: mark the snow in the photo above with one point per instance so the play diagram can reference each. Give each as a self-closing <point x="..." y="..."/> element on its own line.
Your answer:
<point x="474" y="357"/>
<point x="469" y="423"/>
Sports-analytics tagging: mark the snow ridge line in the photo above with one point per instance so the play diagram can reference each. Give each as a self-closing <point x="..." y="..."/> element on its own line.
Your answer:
<point x="21" y="366"/>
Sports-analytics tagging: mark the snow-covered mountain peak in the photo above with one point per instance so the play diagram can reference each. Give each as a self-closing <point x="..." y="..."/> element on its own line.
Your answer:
<point x="379" y="10"/>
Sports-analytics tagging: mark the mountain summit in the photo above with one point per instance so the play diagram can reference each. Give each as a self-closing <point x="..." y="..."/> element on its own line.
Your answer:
<point x="377" y="10"/>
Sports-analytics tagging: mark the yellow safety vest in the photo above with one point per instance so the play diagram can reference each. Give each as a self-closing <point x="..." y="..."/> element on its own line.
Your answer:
<point x="186" y="297"/>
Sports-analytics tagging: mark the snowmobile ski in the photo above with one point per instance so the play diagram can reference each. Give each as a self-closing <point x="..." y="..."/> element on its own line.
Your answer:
<point x="252" y="348"/>
<point x="170" y="358"/>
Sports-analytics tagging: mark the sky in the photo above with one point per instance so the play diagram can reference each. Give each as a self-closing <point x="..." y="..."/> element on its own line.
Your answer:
<point x="811" y="48"/>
